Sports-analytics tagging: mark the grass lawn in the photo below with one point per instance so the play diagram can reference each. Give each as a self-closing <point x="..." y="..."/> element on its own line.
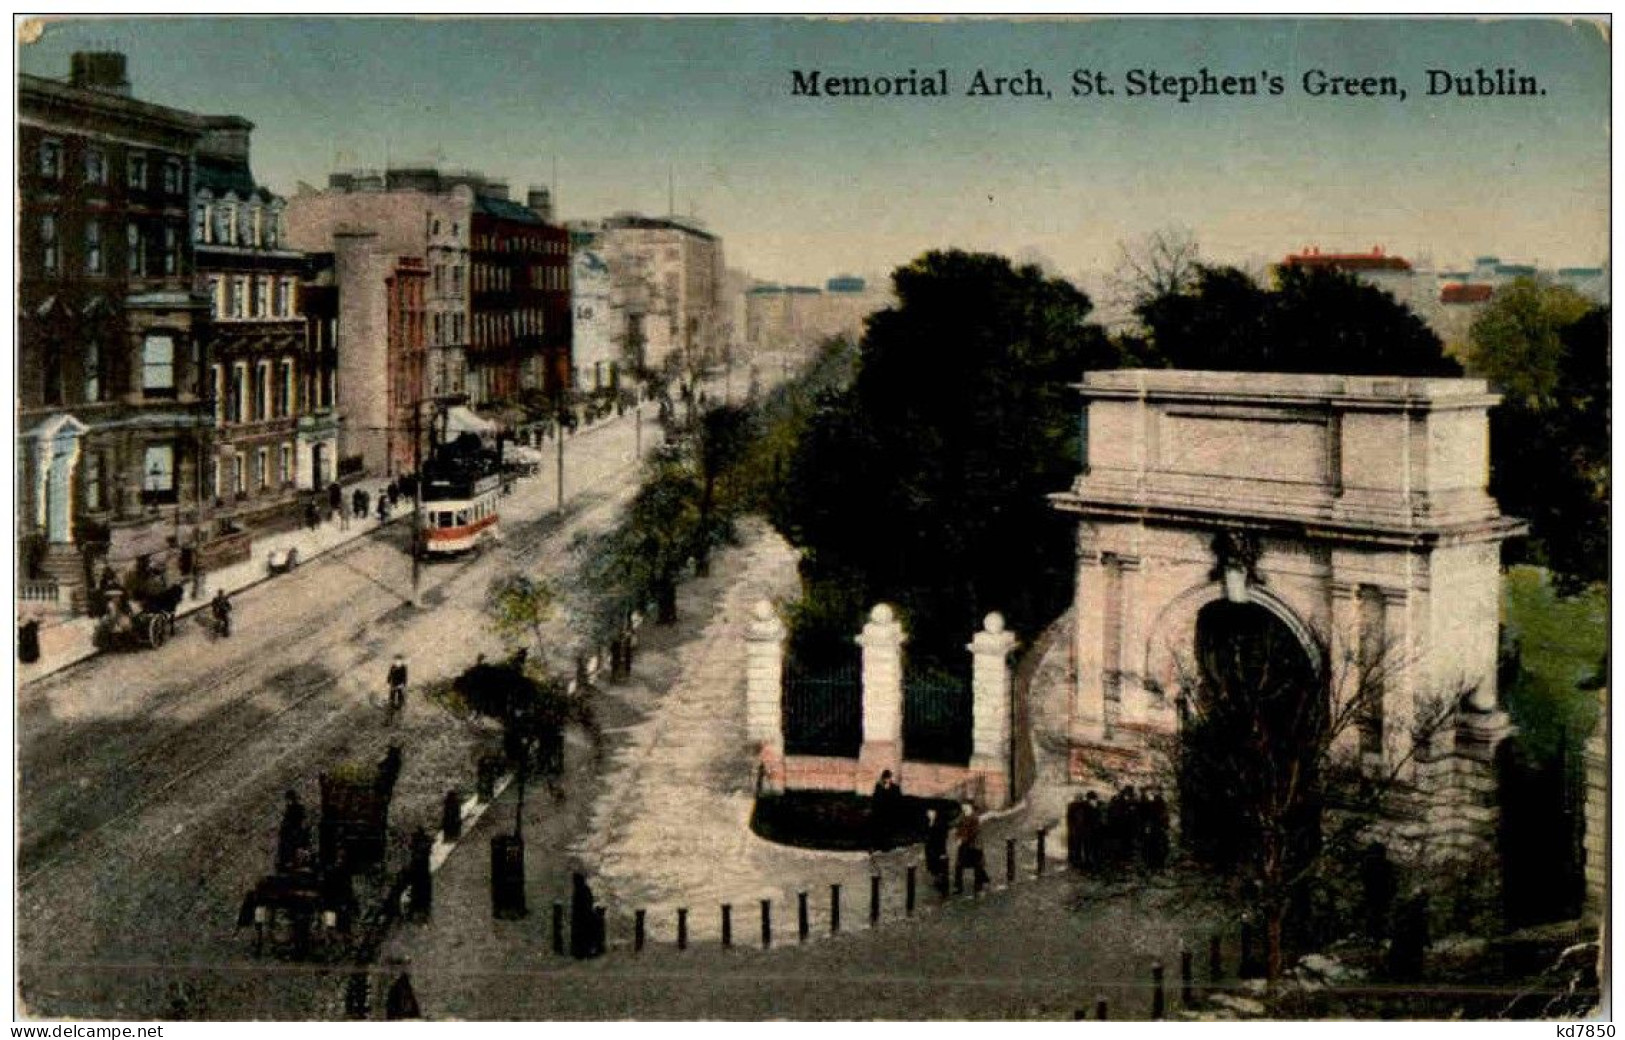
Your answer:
<point x="1562" y="641"/>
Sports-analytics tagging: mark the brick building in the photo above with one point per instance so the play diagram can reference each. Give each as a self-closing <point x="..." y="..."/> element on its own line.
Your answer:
<point x="272" y="389"/>
<point x="111" y="348"/>
<point x="521" y="314"/>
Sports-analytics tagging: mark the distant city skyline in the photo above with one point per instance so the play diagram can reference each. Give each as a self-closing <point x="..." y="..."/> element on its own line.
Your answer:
<point x="804" y="188"/>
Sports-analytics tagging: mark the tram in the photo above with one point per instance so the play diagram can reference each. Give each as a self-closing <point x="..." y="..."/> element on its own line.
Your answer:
<point x="460" y="509"/>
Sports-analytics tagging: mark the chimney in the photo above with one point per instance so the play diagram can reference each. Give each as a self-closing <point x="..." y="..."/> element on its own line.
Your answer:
<point x="100" y="70"/>
<point x="540" y="202"/>
<point x="225" y="137"/>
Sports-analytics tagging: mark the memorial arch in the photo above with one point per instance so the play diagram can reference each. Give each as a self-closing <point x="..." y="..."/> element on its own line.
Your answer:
<point x="1351" y="510"/>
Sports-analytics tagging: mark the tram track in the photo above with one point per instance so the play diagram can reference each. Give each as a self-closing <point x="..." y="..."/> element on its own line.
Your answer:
<point x="587" y="503"/>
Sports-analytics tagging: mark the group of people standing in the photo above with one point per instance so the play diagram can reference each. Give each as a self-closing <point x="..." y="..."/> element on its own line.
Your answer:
<point x="1130" y="830"/>
<point x="333" y="509"/>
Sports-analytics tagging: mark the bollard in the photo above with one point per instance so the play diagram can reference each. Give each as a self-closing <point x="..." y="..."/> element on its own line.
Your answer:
<point x="908" y="892"/>
<point x="1100" y="1009"/>
<point x="834" y="909"/>
<point x="874" y="900"/>
<point x="1213" y="965"/>
<point x="801" y="917"/>
<point x="639" y="923"/>
<point x="767" y="923"/>
<point x="1010" y="861"/>
<point x="1043" y="834"/>
<point x="682" y="928"/>
<point x="1185" y="973"/>
<point x="1158" y="1006"/>
<point x="727" y="925"/>
<point x="558" y="927"/>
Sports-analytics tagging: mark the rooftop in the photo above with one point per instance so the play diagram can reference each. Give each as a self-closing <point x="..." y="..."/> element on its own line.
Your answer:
<point x="1285" y="387"/>
<point x="1376" y="260"/>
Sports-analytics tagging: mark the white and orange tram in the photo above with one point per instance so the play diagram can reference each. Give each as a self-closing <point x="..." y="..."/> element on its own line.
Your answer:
<point x="460" y="515"/>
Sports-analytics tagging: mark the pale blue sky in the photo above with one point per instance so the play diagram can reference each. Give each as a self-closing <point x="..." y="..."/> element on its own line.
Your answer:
<point x="804" y="188"/>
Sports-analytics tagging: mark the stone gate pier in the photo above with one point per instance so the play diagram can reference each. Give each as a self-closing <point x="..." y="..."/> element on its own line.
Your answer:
<point x="1353" y="510"/>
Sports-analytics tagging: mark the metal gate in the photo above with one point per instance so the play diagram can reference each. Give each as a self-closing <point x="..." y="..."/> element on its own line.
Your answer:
<point x="937" y="718"/>
<point x="823" y="711"/>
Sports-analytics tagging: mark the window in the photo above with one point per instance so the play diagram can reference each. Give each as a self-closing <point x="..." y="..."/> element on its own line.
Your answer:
<point x="50" y="160"/>
<point x="158" y="471"/>
<point x="95" y="166"/>
<point x="172" y="250"/>
<point x="273" y="228"/>
<point x="172" y="177"/>
<point x="158" y="366"/>
<point x="238" y="302"/>
<point x="216" y="296"/>
<point x="137" y="249"/>
<point x="237" y="393"/>
<point x="457" y="280"/>
<point x="262" y="390"/>
<point x="262" y="297"/>
<point x="95" y="494"/>
<point x="49" y="259"/>
<point x="93" y="247"/>
<point x="256" y="231"/>
<point x="244" y="231"/>
<point x="217" y="380"/>
<point x="93" y="371"/>
<point x="220" y="218"/>
<point x="239" y="476"/>
<point x="200" y="223"/>
<point x="136" y="172"/>
<point x="262" y="468"/>
<point x="284" y="464"/>
<point x="285" y="389"/>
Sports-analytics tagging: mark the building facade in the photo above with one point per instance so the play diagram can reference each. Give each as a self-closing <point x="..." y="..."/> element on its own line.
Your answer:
<point x="274" y="411"/>
<point x="520" y="310"/>
<point x="112" y="338"/>
<point x="595" y="345"/>
<point x="666" y="288"/>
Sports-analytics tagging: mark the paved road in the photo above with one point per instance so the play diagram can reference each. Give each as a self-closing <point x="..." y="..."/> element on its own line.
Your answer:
<point x="150" y="783"/>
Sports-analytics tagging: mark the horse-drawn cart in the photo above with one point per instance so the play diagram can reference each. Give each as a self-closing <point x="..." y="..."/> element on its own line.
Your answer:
<point x="149" y="624"/>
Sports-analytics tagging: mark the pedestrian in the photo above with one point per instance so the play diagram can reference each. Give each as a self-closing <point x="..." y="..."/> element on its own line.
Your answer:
<point x="293" y="835"/>
<point x="358" y="504"/>
<point x="584" y="940"/>
<point x="1077" y="822"/>
<point x="402" y="1002"/>
<point x="936" y="848"/>
<point x="383" y="507"/>
<point x="969" y="854"/>
<point x="420" y="880"/>
<point x="885" y="805"/>
<point x="394" y="493"/>
<point x="312" y="514"/>
<point x="389" y="769"/>
<point x="221" y="608"/>
<point x="1154" y="828"/>
<point x="397" y="683"/>
<point x="335" y="502"/>
<point x="1122" y="819"/>
<point x="1377" y="888"/>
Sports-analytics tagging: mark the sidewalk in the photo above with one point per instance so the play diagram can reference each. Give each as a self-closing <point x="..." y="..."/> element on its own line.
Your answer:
<point x="662" y="824"/>
<point x="72" y="640"/>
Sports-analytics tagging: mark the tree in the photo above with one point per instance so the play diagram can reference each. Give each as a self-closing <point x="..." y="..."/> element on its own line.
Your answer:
<point x="925" y="482"/>
<point x="1164" y="263"/>
<point x="1273" y="733"/>
<point x="723" y="436"/>
<point x="1545" y="348"/>
<point x="1311" y="320"/>
<point x="519" y="606"/>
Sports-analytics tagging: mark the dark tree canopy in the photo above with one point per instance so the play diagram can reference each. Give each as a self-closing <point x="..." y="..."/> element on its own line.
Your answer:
<point x="1312" y="320"/>
<point x="924" y="484"/>
<point x="1549" y="439"/>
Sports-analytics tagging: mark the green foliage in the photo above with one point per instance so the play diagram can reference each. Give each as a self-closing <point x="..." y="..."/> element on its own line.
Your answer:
<point x="924" y="484"/>
<point x="1546" y="348"/>
<point x="1312" y="320"/>
<point x="1557" y="643"/>
<point x="519" y="606"/>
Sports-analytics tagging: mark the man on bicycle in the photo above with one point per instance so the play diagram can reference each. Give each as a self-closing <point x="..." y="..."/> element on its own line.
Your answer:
<point x="397" y="683"/>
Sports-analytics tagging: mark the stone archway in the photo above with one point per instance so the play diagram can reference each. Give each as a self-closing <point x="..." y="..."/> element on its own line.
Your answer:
<point x="1352" y="510"/>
